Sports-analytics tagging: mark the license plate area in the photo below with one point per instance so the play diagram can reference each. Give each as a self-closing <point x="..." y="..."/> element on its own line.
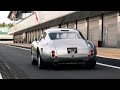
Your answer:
<point x="72" y="50"/>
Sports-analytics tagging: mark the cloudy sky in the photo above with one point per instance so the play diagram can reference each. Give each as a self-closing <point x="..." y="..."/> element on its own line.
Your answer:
<point x="3" y="17"/>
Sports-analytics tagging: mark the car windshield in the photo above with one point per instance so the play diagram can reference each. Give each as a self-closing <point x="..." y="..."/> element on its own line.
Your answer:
<point x="64" y="35"/>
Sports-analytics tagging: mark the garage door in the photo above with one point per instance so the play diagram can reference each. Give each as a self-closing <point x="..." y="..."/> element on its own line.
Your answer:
<point x="118" y="34"/>
<point x="94" y="32"/>
<point x="64" y="26"/>
<point x="110" y="30"/>
<point x="72" y="25"/>
<point x="82" y="26"/>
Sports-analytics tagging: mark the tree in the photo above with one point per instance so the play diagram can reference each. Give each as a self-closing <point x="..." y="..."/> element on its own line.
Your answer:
<point x="3" y="24"/>
<point x="10" y="25"/>
<point x="6" y="25"/>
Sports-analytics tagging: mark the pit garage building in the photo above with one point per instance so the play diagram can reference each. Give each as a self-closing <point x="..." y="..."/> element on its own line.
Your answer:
<point x="4" y="37"/>
<point x="100" y="27"/>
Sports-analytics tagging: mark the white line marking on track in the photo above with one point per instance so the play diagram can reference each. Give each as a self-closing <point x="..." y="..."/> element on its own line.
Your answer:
<point x="96" y="63"/>
<point x="108" y="57"/>
<point x="10" y="70"/>
<point x="1" y="76"/>
<point x="18" y="47"/>
<point x="108" y="65"/>
<point x="30" y="50"/>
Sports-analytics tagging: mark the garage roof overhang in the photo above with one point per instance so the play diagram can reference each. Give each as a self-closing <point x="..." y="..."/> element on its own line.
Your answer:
<point x="62" y="20"/>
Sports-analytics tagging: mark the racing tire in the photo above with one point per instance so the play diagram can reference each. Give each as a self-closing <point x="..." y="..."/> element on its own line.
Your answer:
<point x="91" y="65"/>
<point x="40" y="62"/>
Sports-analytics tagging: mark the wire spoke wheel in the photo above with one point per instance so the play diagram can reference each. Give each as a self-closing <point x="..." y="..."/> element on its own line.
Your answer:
<point x="33" y="61"/>
<point x="39" y="62"/>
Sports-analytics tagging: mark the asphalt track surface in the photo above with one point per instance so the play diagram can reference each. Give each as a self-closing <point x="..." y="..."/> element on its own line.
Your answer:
<point x="15" y="63"/>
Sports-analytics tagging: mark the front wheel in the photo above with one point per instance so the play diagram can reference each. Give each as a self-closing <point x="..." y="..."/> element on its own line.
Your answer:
<point x="34" y="62"/>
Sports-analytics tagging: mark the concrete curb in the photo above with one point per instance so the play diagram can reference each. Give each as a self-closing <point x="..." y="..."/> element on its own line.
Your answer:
<point x="17" y="46"/>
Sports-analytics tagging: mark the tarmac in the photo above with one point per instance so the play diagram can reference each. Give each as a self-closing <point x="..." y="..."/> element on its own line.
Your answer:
<point x="103" y="52"/>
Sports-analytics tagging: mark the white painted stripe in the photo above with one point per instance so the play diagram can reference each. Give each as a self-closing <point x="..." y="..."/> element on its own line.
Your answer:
<point x="29" y="50"/>
<point x="108" y="65"/>
<point x="108" y="57"/>
<point x="18" y="47"/>
<point x="1" y="76"/>
<point x="96" y="63"/>
<point x="10" y="70"/>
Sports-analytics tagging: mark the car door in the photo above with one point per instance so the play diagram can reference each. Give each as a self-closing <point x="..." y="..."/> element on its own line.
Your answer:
<point x="34" y="49"/>
<point x="43" y="45"/>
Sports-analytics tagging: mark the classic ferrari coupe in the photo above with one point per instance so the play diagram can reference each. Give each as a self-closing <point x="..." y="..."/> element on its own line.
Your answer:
<point x="63" y="46"/>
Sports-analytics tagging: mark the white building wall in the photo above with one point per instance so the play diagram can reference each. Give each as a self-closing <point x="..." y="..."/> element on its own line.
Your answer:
<point x="43" y="16"/>
<point x="6" y="36"/>
<point x="6" y="42"/>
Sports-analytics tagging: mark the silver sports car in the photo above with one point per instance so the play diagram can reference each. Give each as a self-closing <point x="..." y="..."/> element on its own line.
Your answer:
<point x="63" y="46"/>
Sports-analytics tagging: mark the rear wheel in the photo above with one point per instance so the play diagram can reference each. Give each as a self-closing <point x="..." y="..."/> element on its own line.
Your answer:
<point x="91" y="65"/>
<point x="40" y="62"/>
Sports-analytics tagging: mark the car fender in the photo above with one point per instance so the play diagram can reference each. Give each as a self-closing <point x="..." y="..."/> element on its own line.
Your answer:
<point x="94" y="47"/>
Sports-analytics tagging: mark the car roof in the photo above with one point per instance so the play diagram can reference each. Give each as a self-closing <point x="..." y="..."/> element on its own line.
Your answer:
<point x="59" y="30"/>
